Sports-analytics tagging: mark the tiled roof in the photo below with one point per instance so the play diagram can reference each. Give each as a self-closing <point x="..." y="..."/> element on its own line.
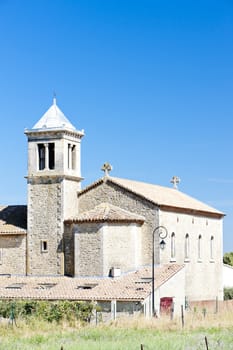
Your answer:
<point x="106" y="212"/>
<point x="13" y="219"/>
<point x="132" y="286"/>
<point x="159" y="195"/>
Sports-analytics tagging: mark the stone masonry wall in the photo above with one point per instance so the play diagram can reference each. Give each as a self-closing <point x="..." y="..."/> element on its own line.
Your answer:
<point x="99" y="247"/>
<point x="111" y="193"/>
<point x="88" y="250"/>
<point x="68" y="246"/>
<point x="45" y="223"/>
<point x="13" y="254"/>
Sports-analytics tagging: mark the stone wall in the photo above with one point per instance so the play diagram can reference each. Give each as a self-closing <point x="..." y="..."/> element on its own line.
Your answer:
<point x="111" y="193"/>
<point x="203" y="271"/>
<point x="99" y="247"/>
<point x="45" y="223"/>
<point x="88" y="250"/>
<point x="68" y="246"/>
<point x="13" y="254"/>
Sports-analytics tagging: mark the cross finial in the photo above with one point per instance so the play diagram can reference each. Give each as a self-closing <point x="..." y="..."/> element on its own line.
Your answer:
<point x="175" y="181"/>
<point x="107" y="167"/>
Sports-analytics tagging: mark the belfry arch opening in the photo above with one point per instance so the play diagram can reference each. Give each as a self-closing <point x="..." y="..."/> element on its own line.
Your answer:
<point x="46" y="156"/>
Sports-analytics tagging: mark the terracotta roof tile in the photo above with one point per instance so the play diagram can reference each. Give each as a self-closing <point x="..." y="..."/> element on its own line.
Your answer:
<point x="132" y="286"/>
<point x="110" y="213"/>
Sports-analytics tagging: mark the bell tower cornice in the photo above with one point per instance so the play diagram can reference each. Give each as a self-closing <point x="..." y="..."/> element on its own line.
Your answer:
<point x="56" y="133"/>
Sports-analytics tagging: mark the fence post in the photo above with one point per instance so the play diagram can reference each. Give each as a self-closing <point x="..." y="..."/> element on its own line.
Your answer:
<point x="113" y="309"/>
<point x="182" y="315"/>
<point x="206" y="343"/>
<point x="216" y="305"/>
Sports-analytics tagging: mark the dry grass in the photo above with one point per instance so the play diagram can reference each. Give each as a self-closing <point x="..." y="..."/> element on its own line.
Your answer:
<point x="127" y="333"/>
<point x="193" y="320"/>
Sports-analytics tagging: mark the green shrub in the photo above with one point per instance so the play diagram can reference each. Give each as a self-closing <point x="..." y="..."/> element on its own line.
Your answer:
<point x="47" y="310"/>
<point x="228" y="293"/>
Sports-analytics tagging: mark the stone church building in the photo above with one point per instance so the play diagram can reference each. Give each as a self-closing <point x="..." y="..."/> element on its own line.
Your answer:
<point x="110" y="228"/>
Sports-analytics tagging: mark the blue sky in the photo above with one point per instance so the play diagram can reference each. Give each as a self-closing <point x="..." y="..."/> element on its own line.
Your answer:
<point x="150" y="82"/>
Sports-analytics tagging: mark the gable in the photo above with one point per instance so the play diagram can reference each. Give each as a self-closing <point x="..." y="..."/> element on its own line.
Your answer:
<point x="166" y="198"/>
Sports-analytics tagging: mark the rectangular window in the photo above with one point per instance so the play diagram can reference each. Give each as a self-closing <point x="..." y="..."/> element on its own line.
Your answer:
<point x="44" y="246"/>
<point x="51" y="155"/>
<point x="41" y="153"/>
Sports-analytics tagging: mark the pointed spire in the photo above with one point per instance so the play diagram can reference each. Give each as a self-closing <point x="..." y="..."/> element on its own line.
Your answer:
<point x="54" y="98"/>
<point x="53" y="118"/>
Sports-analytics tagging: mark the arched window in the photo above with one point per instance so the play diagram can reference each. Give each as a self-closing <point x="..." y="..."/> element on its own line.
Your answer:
<point x="199" y="248"/>
<point x="173" y="246"/>
<point x="46" y="153"/>
<point x="212" y="248"/>
<point x="186" y="247"/>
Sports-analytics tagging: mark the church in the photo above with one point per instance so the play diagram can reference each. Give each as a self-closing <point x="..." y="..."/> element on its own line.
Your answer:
<point x="112" y="229"/>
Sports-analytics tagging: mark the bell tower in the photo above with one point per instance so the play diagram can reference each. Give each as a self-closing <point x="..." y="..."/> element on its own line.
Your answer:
<point x="54" y="177"/>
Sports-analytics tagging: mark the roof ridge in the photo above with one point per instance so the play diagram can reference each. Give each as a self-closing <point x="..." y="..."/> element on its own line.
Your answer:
<point x="161" y="196"/>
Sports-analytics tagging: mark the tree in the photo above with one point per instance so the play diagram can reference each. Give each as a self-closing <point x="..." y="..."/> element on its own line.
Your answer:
<point x="228" y="258"/>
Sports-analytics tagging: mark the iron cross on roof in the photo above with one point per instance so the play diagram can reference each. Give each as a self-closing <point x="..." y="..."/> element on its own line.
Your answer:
<point x="175" y="181"/>
<point x="107" y="167"/>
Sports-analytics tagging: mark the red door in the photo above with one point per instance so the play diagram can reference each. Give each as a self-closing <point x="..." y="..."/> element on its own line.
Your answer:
<point x="166" y="304"/>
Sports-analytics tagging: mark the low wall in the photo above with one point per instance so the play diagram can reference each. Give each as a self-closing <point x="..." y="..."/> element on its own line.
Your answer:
<point x="211" y="305"/>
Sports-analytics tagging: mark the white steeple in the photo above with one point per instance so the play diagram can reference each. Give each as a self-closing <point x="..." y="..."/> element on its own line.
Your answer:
<point x="54" y="119"/>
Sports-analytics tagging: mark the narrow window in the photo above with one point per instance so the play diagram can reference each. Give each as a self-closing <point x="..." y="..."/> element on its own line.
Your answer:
<point x="212" y="248"/>
<point x="186" y="248"/>
<point x="44" y="246"/>
<point x="69" y="156"/>
<point x="41" y="152"/>
<point x="51" y="156"/>
<point x="173" y="248"/>
<point x="199" y="247"/>
<point x="73" y="152"/>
